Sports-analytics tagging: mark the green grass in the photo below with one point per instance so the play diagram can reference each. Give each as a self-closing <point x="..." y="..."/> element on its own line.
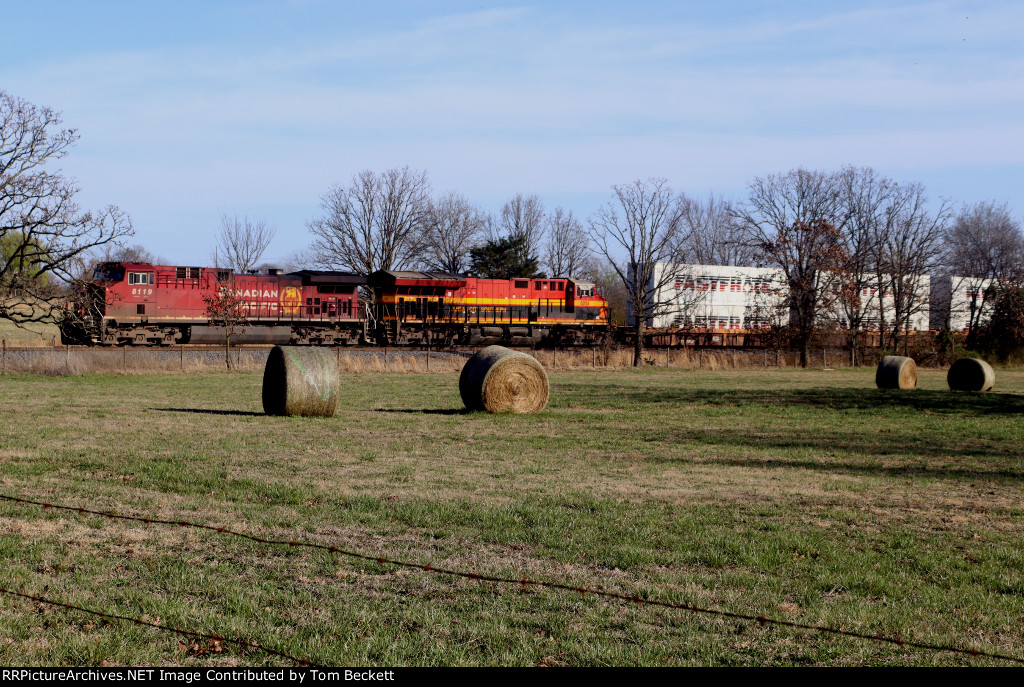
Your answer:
<point x="33" y="334"/>
<point x="807" y="496"/>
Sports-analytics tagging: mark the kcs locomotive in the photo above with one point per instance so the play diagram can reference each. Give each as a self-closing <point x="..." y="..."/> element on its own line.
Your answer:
<point x="144" y="304"/>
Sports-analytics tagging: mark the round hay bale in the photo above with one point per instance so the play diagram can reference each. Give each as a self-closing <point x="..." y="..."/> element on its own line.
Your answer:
<point x="300" y="381"/>
<point x="971" y="374"/>
<point x="500" y="380"/>
<point x="896" y="372"/>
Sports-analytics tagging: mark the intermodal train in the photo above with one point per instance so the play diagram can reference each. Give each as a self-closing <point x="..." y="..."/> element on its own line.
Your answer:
<point x="142" y="304"/>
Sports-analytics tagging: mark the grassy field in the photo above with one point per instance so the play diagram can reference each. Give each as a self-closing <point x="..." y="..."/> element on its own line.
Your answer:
<point x="807" y="496"/>
<point x="35" y="334"/>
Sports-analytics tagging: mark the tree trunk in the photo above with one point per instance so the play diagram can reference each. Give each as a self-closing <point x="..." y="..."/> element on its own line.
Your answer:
<point x="802" y="343"/>
<point x="638" y="343"/>
<point x="227" y="351"/>
<point x="972" y="324"/>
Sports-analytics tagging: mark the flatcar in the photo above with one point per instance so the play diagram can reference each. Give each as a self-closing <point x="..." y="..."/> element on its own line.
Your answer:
<point x="144" y="304"/>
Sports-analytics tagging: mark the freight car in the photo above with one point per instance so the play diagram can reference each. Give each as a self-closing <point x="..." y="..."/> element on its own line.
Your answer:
<point x="144" y="304"/>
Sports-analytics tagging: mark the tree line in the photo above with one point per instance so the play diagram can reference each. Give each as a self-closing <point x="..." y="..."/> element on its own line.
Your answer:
<point x="833" y="234"/>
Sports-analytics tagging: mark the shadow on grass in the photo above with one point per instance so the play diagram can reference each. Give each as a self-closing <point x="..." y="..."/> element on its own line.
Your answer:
<point x="909" y="453"/>
<point x="846" y="467"/>
<point x="897" y="445"/>
<point x="960" y="403"/>
<point x="425" y="411"/>
<point x="211" y="411"/>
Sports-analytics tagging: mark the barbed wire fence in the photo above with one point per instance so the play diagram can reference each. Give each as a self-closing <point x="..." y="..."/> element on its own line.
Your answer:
<point x="243" y="643"/>
<point x="469" y="575"/>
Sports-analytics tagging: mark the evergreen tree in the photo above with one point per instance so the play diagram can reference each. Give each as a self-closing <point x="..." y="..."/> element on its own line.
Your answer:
<point x="504" y="258"/>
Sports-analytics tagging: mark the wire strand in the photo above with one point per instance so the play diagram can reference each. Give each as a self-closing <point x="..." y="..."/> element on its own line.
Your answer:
<point x="527" y="582"/>
<point x="244" y="643"/>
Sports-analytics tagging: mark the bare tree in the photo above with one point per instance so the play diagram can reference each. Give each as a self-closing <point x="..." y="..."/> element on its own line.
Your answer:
<point x="522" y="216"/>
<point x="640" y="234"/>
<point x="768" y="311"/>
<point x="865" y="196"/>
<point x="229" y="311"/>
<point x="907" y="246"/>
<point x="609" y="285"/>
<point x="86" y="264"/>
<point x="567" y="251"/>
<point x="792" y="220"/>
<point x="44" y="234"/>
<point x="376" y="223"/>
<point x="241" y="242"/>
<point x="983" y="254"/>
<point x="453" y="227"/>
<point x="132" y="253"/>
<point x="714" y="236"/>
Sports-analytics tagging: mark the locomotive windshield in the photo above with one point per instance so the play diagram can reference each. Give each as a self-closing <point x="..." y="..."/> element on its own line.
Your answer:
<point x="109" y="271"/>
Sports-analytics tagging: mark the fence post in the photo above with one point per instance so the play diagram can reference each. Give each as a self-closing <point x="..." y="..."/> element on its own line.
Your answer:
<point x="594" y="352"/>
<point x="67" y="358"/>
<point x="428" y="357"/>
<point x="124" y="358"/>
<point x="182" y="356"/>
<point x="5" y="358"/>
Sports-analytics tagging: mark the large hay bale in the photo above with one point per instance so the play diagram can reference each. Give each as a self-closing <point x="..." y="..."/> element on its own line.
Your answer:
<point x="300" y="381"/>
<point x="500" y="380"/>
<point x="896" y="372"/>
<point x="971" y="374"/>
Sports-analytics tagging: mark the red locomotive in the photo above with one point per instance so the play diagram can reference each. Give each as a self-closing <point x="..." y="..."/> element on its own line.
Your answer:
<point x="412" y="307"/>
<point x="143" y="304"/>
<point x="139" y="303"/>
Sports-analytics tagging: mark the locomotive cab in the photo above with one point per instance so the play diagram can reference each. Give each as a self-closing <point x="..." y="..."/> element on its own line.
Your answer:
<point x="574" y="289"/>
<point x="583" y="301"/>
<point x="108" y="272"/>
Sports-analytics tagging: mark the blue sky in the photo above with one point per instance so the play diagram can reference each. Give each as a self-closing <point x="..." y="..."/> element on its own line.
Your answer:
<point x="190" y="110"/>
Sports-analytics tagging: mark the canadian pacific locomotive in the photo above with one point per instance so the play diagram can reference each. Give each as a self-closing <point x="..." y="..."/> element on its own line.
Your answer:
<point x="143" y="304"/>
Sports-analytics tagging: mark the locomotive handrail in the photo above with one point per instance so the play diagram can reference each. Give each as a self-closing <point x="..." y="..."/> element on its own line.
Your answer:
<point x="406" y="313"/>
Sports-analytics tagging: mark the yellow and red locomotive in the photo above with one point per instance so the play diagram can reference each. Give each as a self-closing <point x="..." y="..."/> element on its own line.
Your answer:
<point x="144" y="304"/>
<point x="412" y="307"/>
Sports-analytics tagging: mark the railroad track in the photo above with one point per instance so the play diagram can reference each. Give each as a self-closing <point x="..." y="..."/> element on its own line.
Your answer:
<point x="368" y="349"/>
